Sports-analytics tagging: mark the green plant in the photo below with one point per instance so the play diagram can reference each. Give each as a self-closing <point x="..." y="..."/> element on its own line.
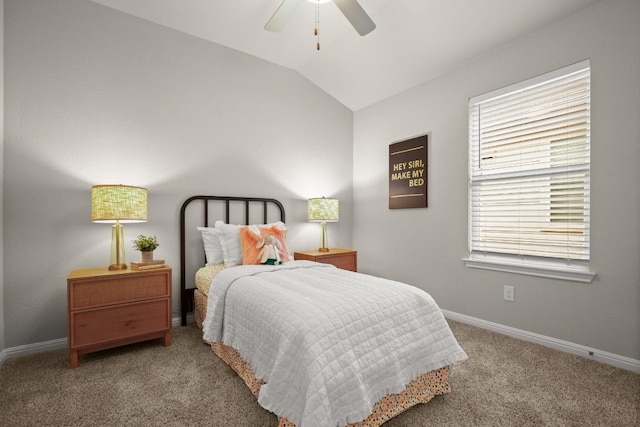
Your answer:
<point x="145" y="243"/>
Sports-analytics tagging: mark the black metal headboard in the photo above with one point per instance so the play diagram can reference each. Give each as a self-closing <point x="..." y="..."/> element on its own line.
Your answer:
<point x="228" y="203"/>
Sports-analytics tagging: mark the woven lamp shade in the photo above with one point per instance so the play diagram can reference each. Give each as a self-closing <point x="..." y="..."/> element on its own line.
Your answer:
<point x="323" y="210"/>
<point x="123" y="203"/>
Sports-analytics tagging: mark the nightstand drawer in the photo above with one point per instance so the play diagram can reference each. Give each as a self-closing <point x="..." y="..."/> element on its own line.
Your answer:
<point x="103" y="325"/>
<point x="117" y="289"/>
<point x="345" y="259"/>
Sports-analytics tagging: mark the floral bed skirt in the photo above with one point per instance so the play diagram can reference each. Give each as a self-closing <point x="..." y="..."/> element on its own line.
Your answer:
<point x="421" y="390"/>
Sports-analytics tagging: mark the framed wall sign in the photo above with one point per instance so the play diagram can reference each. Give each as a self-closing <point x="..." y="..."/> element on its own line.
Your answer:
<point x="408" y="173"/>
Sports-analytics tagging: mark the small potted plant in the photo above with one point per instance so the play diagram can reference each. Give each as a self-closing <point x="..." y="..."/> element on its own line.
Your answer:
<point x="146" y="245"/>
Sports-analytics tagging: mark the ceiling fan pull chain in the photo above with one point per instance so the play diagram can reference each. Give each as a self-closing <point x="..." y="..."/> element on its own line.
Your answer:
<point x="316" y="31"/>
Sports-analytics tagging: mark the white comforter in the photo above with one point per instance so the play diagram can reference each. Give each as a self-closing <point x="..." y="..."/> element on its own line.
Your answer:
<point x="328" y="343"/>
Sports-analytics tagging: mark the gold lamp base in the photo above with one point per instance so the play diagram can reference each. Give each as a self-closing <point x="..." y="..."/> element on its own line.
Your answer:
<point x="324" y="234"/>
<point x="117" y="248"/>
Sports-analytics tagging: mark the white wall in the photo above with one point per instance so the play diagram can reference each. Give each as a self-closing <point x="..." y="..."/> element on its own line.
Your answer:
<point x="425" y="246"/>
<point x="96" y="96"/>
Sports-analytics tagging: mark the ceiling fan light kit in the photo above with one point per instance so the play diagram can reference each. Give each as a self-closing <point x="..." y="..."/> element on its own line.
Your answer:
<point x="351" y="10"/>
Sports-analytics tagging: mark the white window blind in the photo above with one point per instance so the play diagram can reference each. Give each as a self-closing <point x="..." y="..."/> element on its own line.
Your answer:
<point x="529" y="168"/>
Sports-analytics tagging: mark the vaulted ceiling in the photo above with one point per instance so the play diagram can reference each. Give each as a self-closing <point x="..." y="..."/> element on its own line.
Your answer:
<point x="414" y="40"/>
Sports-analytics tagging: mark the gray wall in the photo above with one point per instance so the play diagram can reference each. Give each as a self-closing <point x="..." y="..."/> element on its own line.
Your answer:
<point x="425" y="246"/>
<point x="96" y="96"/>
<point x="1" y="174"/>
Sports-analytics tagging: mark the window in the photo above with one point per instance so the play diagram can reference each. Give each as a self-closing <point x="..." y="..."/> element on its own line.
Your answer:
<point x="529" y="176"/>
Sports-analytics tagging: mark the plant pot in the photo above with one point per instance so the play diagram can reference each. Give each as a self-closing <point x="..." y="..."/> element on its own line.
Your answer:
<point x="147" y="256"/>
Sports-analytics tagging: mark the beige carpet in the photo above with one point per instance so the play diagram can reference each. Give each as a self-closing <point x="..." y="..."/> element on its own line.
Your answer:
<point x="505" y="382"/>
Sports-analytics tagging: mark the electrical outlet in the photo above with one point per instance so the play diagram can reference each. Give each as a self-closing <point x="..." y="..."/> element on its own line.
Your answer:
<point x="509" y="293"/>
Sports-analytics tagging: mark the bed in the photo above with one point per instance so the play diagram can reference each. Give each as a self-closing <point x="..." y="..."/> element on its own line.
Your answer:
<point x="316" y="345"/>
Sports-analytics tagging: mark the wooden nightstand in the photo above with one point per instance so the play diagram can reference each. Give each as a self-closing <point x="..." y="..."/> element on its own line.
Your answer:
<point x="113" y="308"/>
<point x="346" y="259"/>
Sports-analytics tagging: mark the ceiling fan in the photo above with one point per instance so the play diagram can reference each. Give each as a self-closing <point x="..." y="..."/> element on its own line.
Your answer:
<point x="351" y="9"/>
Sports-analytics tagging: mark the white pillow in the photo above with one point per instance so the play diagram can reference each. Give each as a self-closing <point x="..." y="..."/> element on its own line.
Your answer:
<point x="212" y="246"/>
<point x="230" y="242"/>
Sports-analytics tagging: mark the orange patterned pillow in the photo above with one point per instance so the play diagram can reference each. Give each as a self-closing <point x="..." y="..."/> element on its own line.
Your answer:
<point x="249" y="242"/>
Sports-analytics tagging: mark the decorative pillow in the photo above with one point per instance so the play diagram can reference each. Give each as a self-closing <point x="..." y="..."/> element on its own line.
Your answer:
<point x="212" y="246"/>
<point x="231" y="244"/>
<point x="250" y="236"/>
<point x="249" y="241"/>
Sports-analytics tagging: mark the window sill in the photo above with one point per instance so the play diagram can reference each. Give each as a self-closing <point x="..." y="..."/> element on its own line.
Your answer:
<point x="553" y="270"/>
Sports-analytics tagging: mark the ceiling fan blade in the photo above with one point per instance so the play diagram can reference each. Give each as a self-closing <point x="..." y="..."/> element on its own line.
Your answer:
<point x="282" y="15"/>
<point x="352" y="10"/>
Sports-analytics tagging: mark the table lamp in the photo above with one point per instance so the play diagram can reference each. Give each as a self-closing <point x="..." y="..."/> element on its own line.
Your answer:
<point x="323" y="210"/>
<point x="118" y="204"/>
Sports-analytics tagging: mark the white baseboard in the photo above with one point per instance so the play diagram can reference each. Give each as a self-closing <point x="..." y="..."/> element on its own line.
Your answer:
<point x="27" y="349"/>
<point x="58" y="344"/>
<point x="557" y="344"/>
<point x="568" y="347"/>
<point x="177" y="321"/>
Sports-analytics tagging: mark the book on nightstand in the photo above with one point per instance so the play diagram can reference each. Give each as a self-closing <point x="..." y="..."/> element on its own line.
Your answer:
<point x="148" y="265"/>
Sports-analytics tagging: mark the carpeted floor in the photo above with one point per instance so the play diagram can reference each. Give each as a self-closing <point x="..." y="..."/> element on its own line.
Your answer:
<point x="505" y="382"/>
